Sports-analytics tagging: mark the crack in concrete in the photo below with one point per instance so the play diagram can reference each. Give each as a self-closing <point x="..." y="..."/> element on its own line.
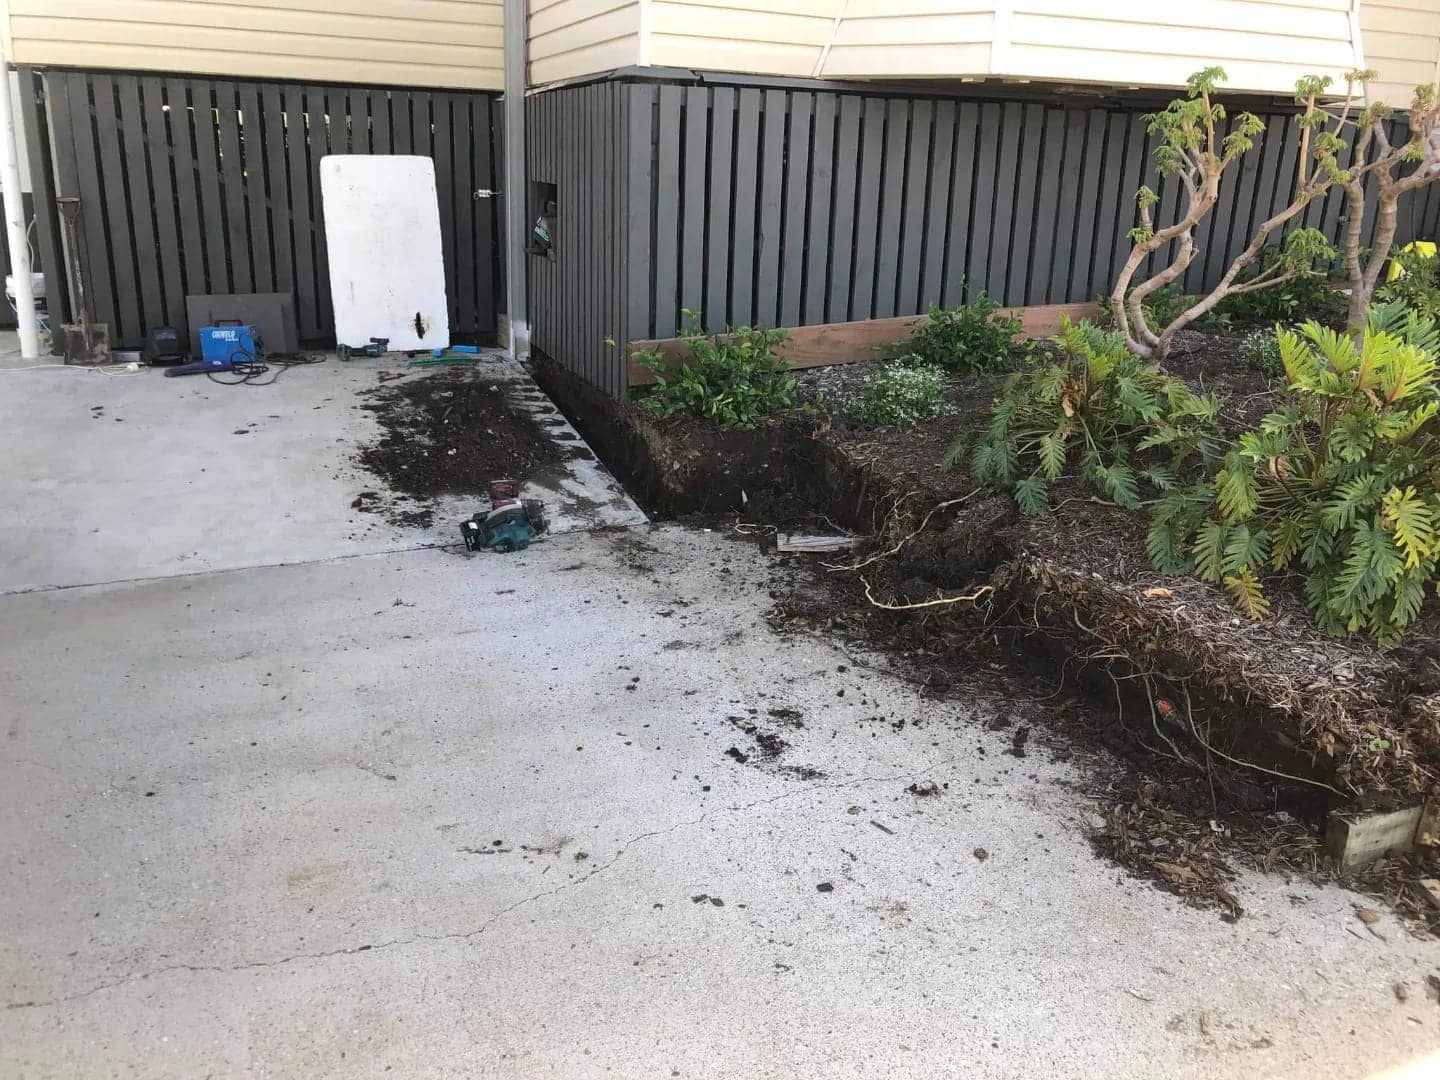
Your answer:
<point x="466" y="935"/>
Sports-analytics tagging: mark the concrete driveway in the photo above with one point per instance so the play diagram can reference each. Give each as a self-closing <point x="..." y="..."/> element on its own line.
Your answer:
<point x="412" y="813"/>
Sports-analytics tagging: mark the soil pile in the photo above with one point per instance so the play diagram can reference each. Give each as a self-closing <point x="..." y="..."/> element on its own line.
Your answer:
<point x="447" y="433"/>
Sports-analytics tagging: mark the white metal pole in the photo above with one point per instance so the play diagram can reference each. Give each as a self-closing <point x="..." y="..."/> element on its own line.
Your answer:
<point x="516" y="293"/>
<point x="15" y="230"/>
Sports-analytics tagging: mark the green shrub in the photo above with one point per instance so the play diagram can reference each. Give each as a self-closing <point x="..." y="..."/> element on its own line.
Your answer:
<point x="1304" y="296"/>
<point x="1396" y="318"/>
<point x="1260" y="349"/>
<point x="975" y="337"/>
<point x="1161" y="307"/>
<point x="1116" y="420"/>
<point x="1418" y="288"/>
<point x="735" y="379"/>
<point x="1342" y="480"/>
<point x="900" y="392"/>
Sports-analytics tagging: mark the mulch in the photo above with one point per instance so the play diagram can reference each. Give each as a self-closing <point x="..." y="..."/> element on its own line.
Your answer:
<point x="1266" y="725"/>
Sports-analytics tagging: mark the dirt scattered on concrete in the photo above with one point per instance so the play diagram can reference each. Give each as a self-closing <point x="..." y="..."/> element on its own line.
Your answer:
<point x="447" y="433"/>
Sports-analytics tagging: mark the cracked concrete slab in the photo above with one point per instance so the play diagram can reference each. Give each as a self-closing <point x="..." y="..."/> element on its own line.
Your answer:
<point x="423" y="813"/>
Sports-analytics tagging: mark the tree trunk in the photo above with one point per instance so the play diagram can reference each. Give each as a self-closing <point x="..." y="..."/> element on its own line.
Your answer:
<point x="1354" y="272"/>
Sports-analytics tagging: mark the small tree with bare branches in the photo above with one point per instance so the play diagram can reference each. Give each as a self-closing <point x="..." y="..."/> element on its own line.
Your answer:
<point x="1193" y="149"/>
<point x="1374" y="159"/>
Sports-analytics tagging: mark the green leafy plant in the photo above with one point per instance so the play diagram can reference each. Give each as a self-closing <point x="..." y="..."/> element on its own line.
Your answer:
<point x="1417" y="287"/>
<point x="900" y="392"/>
<point x="1162" y="307"/>
<point x="1398" y="319"/>
<point x="1342" y="483"/>
<point x="735" y="379"/>
<point x="1118" y="422"/>
<point x="1260" y="349"/>
<point x="1305" y="294"/>
<point x="975" y="337"/>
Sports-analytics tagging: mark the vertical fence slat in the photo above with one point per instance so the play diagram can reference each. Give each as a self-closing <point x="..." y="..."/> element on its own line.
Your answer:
<point x="1066" y="206"/>
<point x="445" y="194"/>
<point x="1034" y="160"/>
<point x="615" y="194"/>
<point x="892" y="191"/>
<point x="190" y="218"/>
<point x="170" y="258"/>
<point x="99" y="284"/>
<point x="692" y="228"/>
<point x="467" y="206"/>
<point x="767" y="237"/>
<point x="957" y="234"/>
<point x="867" y="209"/>
<point x="1133" y="134"/>
<point x="936" y="219"/>
<point x="489" y="266"/>
<point x="818" y="225"/>
<point x="717" y="246"/>
<point x="1046" y="240"/>
<point x="982" y="201"/>
<point x="569" y="262"/>
<point x="278" y="188"/>
<point x="742" y="235"/>
<point x="302" y="218"/>
<point x="591" y="203"/>
<point x="207" y="173"/>
<point x="641" y="179"/>
<point x="128" y="322"/>
<point x="253" y="173"/>
<point x="148" y="253"/>
<point x="381" y="141"/>
<point x="318" y="106"/>
<point x="842" y="227"/>
<point x="240" y="254"/>
<point x="915" y="235"/>
<point x="667" y="209"/>
<point x="798" y="172"/>
<point x="1003" y="213"/>
<point x="400" y="136"/>
<point x="35" y="117"/>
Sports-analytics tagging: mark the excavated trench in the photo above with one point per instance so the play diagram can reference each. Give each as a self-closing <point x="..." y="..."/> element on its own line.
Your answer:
<point x="1236" y="739"/>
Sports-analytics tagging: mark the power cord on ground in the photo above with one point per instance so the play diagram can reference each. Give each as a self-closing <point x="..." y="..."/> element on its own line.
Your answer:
<point x="246" y="370"/>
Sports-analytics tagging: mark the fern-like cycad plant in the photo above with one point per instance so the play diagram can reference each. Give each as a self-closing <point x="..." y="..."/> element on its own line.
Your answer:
<point x="1095" y="409"/>
<point x="1341" y="483"/>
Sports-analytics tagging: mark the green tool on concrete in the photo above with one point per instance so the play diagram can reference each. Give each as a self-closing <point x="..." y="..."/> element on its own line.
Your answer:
<point x="378" y="347"/>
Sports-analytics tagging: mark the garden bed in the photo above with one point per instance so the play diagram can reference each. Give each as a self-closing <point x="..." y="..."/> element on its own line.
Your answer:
<point x="1249" y="714"/>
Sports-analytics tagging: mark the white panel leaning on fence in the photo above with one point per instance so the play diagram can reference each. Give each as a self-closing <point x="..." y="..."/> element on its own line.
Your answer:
<point x="387" y="267"/>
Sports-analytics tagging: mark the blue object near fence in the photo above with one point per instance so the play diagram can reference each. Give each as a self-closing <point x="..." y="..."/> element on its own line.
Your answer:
<point x="226" y="344"/>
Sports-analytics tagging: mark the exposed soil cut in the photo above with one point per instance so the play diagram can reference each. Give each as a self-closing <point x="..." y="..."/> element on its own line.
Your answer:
<point x="447" y="433"/>
<point x="1171" y="684"/>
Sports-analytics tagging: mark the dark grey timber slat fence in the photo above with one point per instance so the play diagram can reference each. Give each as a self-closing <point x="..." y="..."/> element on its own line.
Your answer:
<point x="578" y="141"/>
<point x="190" y="185"/>
<point x="794" y="206"/>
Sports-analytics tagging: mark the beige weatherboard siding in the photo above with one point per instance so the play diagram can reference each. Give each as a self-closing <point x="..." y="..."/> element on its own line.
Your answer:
<point x="569" y="38"/>
<point x="1264" y="45"/>
<point x="1402" y="43"/>
<point x="439" y="43"/>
